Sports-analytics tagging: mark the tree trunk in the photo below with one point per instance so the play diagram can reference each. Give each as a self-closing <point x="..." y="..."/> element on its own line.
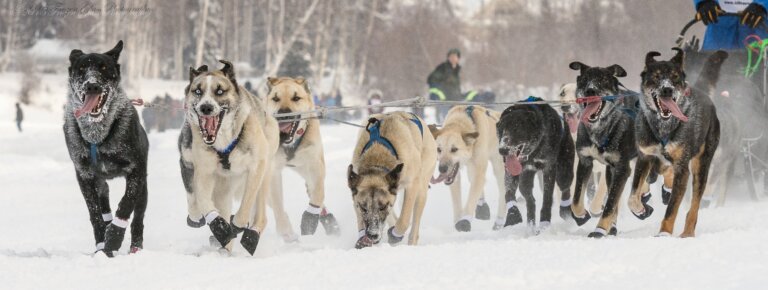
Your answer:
<point x="368" y="32"/>
<point x="201" y="36"/>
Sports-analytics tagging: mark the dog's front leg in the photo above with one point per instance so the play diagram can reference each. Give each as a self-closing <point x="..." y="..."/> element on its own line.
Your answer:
<point x="88" y="187"/>
<point x="256" y="194"/>
<point x="583" y="173"/>
<point x="204" y="182"/>
<point x="638" y="199"/>
<point x="497" y="164"/>
<point x="135" y="198"/>
<point x="545" y="217"/>
<point x="455" y="188"/>
<point x="513" y="213"/>
<point x="476" y="172"/>
<point x="526" y="189"/>
<point x="282" y="221"/>
<point x="617" y="176"/>
<point x="418" y="210"/>
<point x="680" y="183"/>
<point x="397" y="232"/>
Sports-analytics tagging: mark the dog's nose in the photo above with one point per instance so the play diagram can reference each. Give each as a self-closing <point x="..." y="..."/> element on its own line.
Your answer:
<point x="283" y="111"/>
<point x="374" y="237"/>
<point x="504" y="151"/>
<point x="590" y="92"/>
<point x="666" y="91"/>
<point x="443" y="168"/>
<point x="206" y="109"/>
<point x="92" y="88"/>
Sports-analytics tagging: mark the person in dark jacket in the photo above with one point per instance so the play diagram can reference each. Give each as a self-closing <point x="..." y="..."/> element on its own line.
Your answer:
<point x="444" y="82"/>
<point x="19" y="116"/>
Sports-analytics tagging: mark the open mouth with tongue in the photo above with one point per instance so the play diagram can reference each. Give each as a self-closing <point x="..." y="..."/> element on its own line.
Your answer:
<point x="667" y="107"/>
<point x="591" y="112"/>
<point x="209" y="126"/>
<point x="289" y="130"/>
<point x="448" y="177"/>
<point x="512" y="164"/>
<point x="93" y="103"/>
<point x="573" y="122"/>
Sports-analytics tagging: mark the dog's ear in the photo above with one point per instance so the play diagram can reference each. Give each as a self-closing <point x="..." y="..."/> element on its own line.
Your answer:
<point x="679" y="57"/>
<point x="353" y="180"/>
<point x="578" y="66"/>
<point x="649" y="57"/>
<point x="74" y="55"/>
<point x="434" y="130"/>
<point x="115" y="51"/>
<point x="228" y="70"/>
<point x="304" y="83"/>
<point x="193" y="73"/>
<point x="618" y="71"/>
<point x="271" y="82"/>
<point x="393" y="178"/>
<point x="470" y="138"/>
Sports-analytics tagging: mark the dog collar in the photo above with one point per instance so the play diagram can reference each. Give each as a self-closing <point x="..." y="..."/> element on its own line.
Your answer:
<point x="224" y="154"/>
<point x="94" y="153"/>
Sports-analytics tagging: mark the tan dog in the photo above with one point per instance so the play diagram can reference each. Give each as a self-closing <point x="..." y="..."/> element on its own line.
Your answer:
<point x="570" y="113"/>
<point x="393" y="152"/>
<point x="227" y="144"/>
<point x="468" y="138"/>
<point x="301" y="149"/>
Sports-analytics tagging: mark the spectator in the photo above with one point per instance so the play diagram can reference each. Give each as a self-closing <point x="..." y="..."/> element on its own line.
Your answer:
<point x="444" y="82"/>
<point x="374" y="98"/>
<point x="19" y="116"/>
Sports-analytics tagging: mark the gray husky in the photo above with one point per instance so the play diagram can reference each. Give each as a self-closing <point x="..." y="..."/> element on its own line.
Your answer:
<point x="105" y="140"/>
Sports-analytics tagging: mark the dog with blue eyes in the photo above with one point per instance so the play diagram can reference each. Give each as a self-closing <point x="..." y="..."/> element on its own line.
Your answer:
<point x="227" y="146"/>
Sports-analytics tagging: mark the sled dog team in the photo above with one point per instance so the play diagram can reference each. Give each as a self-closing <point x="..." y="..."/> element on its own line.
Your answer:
<point x="233" y="151"/>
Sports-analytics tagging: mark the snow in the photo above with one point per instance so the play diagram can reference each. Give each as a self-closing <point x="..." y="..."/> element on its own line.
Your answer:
<point x="47" y="240"/>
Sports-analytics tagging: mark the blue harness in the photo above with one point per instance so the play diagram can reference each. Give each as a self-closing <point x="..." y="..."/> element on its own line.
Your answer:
<point x="471" y="109"/>
<point x="374" y="130"/>
<point x="94" y="154"/>
<point x="224" y="154"/>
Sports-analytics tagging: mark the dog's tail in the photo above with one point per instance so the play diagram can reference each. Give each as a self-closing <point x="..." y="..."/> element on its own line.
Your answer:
<point x="710" y="72"/>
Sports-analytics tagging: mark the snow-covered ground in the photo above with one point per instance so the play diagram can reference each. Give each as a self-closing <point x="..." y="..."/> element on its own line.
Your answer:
<point x="47" y="240"/>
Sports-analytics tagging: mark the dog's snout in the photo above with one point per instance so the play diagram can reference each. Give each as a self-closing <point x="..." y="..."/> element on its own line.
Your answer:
<point x="504" y="151"/>
<point x="443" y="168"/>
<point x="206" y="109"/>
<point x="284" y="111"/>
<point x="92" y="88"/>
<point x="373" y="236"/>
<point x="590" y="92"/>
<point x="666" y="91"/>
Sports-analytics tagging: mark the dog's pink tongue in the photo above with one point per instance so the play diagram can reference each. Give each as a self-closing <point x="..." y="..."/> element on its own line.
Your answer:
<point x="588" y="111"/>
<point x="91" y="100"/>
<point x="573" y="123"/>
<point x="286" y="127"/>
<point x="210" y="124"/>
<point x="670" y="105"/>
<point x="512" y="164"/>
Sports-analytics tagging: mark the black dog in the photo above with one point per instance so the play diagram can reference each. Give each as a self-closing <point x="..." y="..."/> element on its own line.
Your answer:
<point x="533" y="138"/>
<point x="606" y="134"/>
<point x="105" y="140"/>
<point x="677" y="130"/>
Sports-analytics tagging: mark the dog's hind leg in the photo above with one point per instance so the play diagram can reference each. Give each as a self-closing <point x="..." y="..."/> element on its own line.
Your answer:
<point x="513" y="213"/>
<point x="137" y="224"/>
<point x="88" y="187"/>
<point x="564" y="177"/>
<point x="700" y="171"/>
<point x="497" y="164"/>
<point x="545" y="217"/>
<point x="282" y="222"/>
<point x="397" y="232"/>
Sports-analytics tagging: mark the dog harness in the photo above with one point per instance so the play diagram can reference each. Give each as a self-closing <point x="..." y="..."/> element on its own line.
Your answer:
<point x="94" y="154"/>
<point x="224" y="154"/>
<point x="471" y="109"/>
<point x="374" y="130"/>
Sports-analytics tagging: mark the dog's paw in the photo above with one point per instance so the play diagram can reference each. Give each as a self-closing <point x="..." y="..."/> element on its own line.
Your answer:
<point x="250" y="240"/>
<point x="613" y="231"/>
<point x="543" y="226"/>
<point x="114" y="235"/>
<point x="330" y="224"/>
<point x="647" y="210"/>
<point x="598" y="233"/>
<point x="666" y="195"/>
<point x="565" y="212"/>
<point x="646" y="197"/>
<point x="513" y="217"/>
<point x="580" y="220"/>
<point x="498" y="224"/>
<point x="463" y="225"/>
<point x="195" y="224"/>
<point x="393" y="237"/>
<point x="309" y="222"/>
<point x="235" y="229"/>
<point x="483" y="211"/>
<point x="221" y="230"/>
<point x="363" y="242"/>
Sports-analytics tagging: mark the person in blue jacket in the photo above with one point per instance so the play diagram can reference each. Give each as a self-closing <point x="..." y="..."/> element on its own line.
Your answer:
<point x="729" y="33"/>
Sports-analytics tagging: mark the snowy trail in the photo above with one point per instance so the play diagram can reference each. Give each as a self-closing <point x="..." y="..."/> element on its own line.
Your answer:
<point x="47" y="239"/>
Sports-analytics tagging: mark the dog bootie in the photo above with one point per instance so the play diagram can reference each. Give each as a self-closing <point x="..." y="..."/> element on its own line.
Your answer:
<point x="513" y="216"/>
<point x="393" y="237"/>
<point x="195" y="224"/>
<point x="463" y="225"/>
<point x="309" y="220"/>
<point x="250" y="240"/>
<point x="565" y="209"/>
<point x="666" y="194"/>
<point x="580" y="220"/>
<point x="114" y="235"/>
<point x="647" y="209"/>
<point x="235" y="229"/>
<point x="329" y="223"/>
<point x="221" y="230"/>
<point x="482" y="211"/>
<point x="498" y="224"/>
